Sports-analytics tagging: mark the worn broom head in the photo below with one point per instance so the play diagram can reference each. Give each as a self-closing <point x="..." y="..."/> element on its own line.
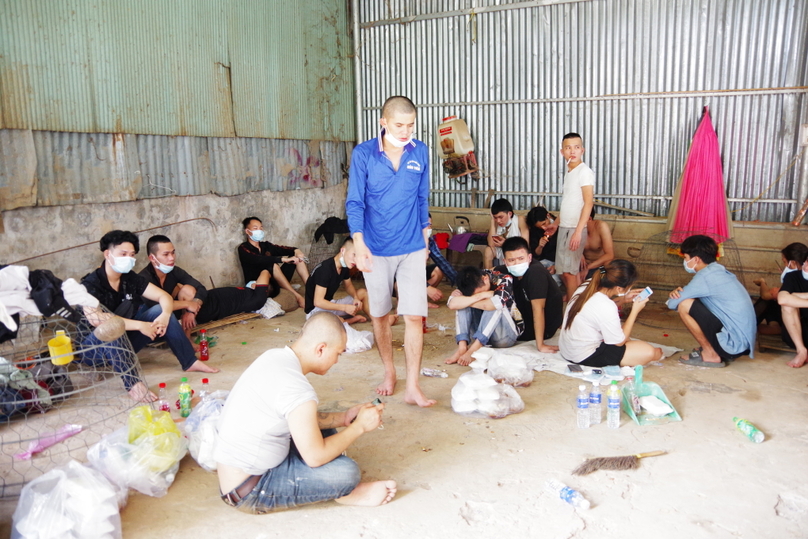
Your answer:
<point x="629" y="462"/>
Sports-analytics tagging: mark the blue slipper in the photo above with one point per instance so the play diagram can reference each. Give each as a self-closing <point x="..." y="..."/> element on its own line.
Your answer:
<point x="695" y="359"/>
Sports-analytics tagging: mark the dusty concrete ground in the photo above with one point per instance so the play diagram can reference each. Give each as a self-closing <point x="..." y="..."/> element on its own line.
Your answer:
<point x="461" y="477"/>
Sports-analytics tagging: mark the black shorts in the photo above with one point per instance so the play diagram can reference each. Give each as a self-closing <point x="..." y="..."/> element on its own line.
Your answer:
<point x="429" y="269"/>
<point x="605" y="355"/>
<point x="227" y="301"/>
<point x="711" y="326"/>
<point x="787" y="338"/>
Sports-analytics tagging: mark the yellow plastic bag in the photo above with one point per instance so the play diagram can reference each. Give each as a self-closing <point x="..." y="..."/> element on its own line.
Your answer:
<point x="157" y="440"/>
<point x="145" y="421"/>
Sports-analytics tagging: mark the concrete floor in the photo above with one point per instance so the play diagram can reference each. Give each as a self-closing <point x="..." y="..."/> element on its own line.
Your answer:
<point x="461" y="477"/>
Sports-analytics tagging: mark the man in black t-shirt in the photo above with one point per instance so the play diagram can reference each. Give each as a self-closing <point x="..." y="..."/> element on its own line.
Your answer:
<point x="198" y="304"/>
<point x="324" y="281"/>
<point x="536" y="294"/>
<point x="793" y="300"/>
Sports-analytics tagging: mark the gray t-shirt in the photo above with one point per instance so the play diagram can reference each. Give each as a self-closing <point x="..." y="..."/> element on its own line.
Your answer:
<point x="253" y="429"/>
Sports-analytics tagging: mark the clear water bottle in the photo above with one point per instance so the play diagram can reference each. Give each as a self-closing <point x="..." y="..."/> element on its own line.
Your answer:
<point x="205" y="391"/>
<point x="613" y="406"/>
<point x="595" y="404"/>
<point x="631" y="395"/>
<point x="162" y="395"/>
<point x="185" y="397"/>
<point x="571" y="496"/>
<point x="583" y="407"/>
<point x="749" y="429"/>
<point x="204" y="353"/>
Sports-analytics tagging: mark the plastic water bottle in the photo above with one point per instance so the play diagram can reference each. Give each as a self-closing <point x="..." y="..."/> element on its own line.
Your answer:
<point x="162" y="395"/>
<point x="749" y="429"/>
<point x="571" y="496"/>
<point x="583" y="407"/>
<point x="205" y="391"/>
<point x="631" y="395"/>
<point x="613" y="406"/>
<point x="595" y="404"/>
<point x="185" y="397"/>
<point x="204" y="353"/>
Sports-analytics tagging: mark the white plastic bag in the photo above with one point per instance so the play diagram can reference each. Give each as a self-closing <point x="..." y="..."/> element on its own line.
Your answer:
<point x="358" y="341"/>
<point x="510" y="369"/>
<point x="135" y="465"/>
<point x="71" y="502"/>
<point x="202" y="431"/>
<point x="478" y="395"/>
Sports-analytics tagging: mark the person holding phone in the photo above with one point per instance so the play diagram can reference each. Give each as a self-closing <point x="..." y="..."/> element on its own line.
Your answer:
<point x="591" y="333"/>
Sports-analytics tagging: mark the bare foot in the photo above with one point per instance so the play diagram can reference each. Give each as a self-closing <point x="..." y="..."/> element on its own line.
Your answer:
<point x="461" y="349"/>
<point x="799" y="359"/>
<point x="392" y="319"/>
<point x="417" y="396"/>
<point x="465" y="359"/>
<point x="358" y="319"/>
<point x="432" y="305"/>
<point x="199" y="366"/>
<point x="388" y="386"/>
<point x="141" y="393"/>
<point x="370" y="494"/>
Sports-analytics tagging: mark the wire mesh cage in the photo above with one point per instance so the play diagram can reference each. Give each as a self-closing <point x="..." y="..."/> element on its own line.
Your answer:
<point x="50" y="388"/>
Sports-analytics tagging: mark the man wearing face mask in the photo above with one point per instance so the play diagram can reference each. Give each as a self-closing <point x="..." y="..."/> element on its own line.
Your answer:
<point x="537" y="296"/>
<point x="197" y="304"/>
<point x="793" y="300"/>
<point x="325" y="280"/>
<point x="123" y="293"/>
<point x="766" y="307"/>
<point x="714" y="307"/>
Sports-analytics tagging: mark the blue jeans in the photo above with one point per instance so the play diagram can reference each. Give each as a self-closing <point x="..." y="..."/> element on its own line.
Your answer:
<point x="489" y="327"/>
<point x="293" y="482"/>
<point x="120" y="359"/>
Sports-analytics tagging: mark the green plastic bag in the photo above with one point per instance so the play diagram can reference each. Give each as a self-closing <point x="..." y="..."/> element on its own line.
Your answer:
<point x="645" y="389"/>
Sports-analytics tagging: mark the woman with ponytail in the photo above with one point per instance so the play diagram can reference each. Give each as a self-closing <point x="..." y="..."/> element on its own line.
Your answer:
<point x="591" y="334"/>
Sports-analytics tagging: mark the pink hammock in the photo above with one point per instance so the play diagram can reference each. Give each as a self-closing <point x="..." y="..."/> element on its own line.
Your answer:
<point x="701" y="204"/>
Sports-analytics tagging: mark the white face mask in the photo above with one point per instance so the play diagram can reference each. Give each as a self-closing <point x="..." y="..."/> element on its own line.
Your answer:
<point x="165" y="269"/>
<point x="688" y="268"/>
<point x="786" y="270"/>
<point x="517" y="270"/>
<point x="342" y="261"/>
<point x="123" y="264"/>
<point x="395" y="142"/>
<point x="805" y="275"/>
<point x="257" y="235"/>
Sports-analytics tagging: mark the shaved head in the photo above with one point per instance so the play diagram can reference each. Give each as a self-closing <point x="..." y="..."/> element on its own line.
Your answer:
<point x="322" y="328"/>
<point x="397" y="104"/>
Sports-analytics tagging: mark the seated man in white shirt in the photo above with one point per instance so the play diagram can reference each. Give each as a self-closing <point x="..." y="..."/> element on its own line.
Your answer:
<point x="275" y="449"/>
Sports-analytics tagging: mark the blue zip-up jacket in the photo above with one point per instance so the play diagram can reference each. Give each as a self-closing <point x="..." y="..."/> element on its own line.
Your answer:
<point x="390" y="208"/>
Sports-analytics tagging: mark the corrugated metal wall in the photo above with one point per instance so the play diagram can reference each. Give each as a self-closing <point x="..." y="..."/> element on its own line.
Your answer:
<point x="632" y="76"/>
<point x="212" y="68"/>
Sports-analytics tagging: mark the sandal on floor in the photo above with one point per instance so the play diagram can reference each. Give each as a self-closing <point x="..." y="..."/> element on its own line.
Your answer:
<point x="695" y="359"/>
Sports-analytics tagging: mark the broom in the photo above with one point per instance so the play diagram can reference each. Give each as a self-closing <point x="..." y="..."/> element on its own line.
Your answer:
<point x="629" y="462"/>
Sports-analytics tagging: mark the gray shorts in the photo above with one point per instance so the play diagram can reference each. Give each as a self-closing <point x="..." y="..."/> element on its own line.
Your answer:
<point x="408" y="272"/>
<point x="569" y="261"/>
<point x="347" y="300"/>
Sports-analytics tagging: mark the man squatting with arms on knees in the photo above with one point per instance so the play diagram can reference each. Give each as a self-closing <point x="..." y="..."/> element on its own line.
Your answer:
<point x="388" y="215"/>
<point x="275" y="450"/>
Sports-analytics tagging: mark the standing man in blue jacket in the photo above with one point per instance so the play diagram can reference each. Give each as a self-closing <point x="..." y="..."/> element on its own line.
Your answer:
<point x="388" y="215"/>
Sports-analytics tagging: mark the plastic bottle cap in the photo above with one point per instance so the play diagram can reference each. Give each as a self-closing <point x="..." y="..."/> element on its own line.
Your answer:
<point x="183" y="379"/>
<point x="614" y="382"/>
<point x="204" y="380"/>
<point x="162" y="384"/>
<point x="203" y="331"/>
<point x="596" y="383"/>
<point x="582" y="387"/>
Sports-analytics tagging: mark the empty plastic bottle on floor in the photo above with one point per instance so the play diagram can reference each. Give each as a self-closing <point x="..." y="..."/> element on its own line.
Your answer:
<point x="185" y="397"/>
<point x="632" y="397"/>
<point x="204" y="353"/>
<point x="595" y="404"/>
<point x="749" y="429"/>
<point x="613" y="406"/>
<point x="162" y="395"/>
<point x="583" y="407"/>
<point x="569" y="495"/>
<point x="205" y="391"/>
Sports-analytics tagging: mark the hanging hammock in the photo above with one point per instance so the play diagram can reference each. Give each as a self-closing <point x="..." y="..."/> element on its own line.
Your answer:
<point x="699" y="205"/>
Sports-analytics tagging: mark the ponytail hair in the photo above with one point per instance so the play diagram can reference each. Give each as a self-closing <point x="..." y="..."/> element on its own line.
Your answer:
<point x="618" y="272"/>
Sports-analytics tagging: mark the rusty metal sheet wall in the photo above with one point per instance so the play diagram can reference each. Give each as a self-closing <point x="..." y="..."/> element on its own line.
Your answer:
<point x="222" y="68"/>
<point x="631" y="76"/>
<point x="48" y="168"/>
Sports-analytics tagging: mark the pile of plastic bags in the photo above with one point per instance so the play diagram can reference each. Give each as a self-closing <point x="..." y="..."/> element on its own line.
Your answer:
<point x="477" y="394"/>
<point x="201" y="428"/>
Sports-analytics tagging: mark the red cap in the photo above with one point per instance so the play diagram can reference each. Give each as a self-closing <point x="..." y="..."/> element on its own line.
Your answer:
<point x="203" y="331"/>
<point x="162" y="384"/>
<point x="204" y="380"/>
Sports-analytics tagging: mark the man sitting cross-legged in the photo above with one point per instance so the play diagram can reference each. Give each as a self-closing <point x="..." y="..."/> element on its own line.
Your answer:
<point x="198" y="305"/>
<point x="325" y="279"/>
<point x="275" y="450"/>
<point x="485" y="311"/>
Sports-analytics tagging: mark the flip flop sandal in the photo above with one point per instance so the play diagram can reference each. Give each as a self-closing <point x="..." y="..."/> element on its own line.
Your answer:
<point x="695" y="359"/>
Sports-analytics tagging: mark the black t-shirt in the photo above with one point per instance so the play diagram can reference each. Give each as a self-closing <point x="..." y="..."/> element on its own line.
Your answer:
<point x="794" y="282"/>
<point x="176" y="277"/>
<point x="124" y="302"/>
<point x="327" y="276"/>
<point x="537" y="283"/>
<point x="254" y="260"/>
<point x="549" y="251"/>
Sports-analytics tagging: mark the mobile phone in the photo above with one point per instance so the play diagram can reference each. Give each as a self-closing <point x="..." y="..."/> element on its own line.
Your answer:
<point x="597" y="371"/>
<point x="645" y="293"/>
<point x="575" y="368"/>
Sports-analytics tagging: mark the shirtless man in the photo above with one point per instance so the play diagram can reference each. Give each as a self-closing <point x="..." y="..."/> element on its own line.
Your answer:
<point x="599" y="249"/>
<point x="275" y="450"/>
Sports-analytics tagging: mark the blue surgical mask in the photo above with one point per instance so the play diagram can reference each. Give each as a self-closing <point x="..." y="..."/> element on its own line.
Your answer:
<point x="257" y="235"/>
<point x="517" y="270"/>
<point x="688" y="268"/>
<point x="123" y="264"/>
<point x="165" y="269"/>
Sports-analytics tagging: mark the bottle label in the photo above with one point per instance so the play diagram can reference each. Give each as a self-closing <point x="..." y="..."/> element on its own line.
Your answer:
<point x="567" y="494"/>
<point x="594" y="398"/>
<point x="583" y="402"/>
<point x="614" y="402"/>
